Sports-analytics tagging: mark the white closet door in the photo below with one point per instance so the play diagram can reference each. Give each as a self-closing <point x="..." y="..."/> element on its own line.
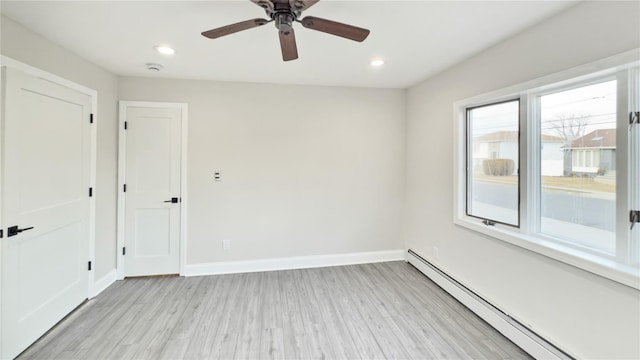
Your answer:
<point x="152" y="208"/>
<point x="45" y="206"/>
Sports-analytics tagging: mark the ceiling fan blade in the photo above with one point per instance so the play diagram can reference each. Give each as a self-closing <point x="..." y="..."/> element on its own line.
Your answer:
<point x="234" y="28"/>
<point x="335" y="28"/>
<point x="288" y="45"/>
<point x="301" y="5"/>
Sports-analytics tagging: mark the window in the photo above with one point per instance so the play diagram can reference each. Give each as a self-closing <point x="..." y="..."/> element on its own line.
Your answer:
<point x="578" y="205"/>
<point x="492" y="177"/>
<point x="546" y="166"/>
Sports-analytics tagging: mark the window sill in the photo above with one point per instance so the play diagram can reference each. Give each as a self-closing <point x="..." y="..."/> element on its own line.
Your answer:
<point x="623" y="274"/>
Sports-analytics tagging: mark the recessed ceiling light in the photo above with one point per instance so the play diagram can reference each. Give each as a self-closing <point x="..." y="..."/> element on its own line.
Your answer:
<point x="165" y="50"/>
<point x="377" y="62"/>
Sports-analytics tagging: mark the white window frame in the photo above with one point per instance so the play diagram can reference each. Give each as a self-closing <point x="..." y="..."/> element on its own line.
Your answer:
<point x="623" y="267"/>
<point x="534" y="127"/>
<point x="634" y="161"/>
<point x="491" y="155"/>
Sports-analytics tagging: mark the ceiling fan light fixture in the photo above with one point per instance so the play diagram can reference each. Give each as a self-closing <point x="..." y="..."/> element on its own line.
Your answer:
<point x="284" y="21"/>
<point x="377" y="62"/>
<point x="165" y="50"/>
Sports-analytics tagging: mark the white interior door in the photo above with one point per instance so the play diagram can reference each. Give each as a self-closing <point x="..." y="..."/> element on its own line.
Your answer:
<point x="152" y="196"/>
<point x="46" y="175"/>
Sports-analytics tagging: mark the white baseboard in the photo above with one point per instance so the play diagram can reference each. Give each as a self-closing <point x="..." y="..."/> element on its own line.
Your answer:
<point x="300" y="262"/>
<point x="101" y="284"/>
<point x="517" y="333"/>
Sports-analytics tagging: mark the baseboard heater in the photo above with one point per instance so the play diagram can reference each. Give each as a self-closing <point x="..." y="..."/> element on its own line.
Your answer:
<point x="521" y="335"/>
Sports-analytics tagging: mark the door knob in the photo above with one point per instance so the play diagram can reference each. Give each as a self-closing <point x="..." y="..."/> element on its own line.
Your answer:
<point x="173" y="201"/>
<point x="14" y="230"/>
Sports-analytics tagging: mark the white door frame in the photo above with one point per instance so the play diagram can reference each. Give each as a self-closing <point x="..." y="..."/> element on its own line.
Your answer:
<point x="122" y="161"/>
<point x="6" y="61"/>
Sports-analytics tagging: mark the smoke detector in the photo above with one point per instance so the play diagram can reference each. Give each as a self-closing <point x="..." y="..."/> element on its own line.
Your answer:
<point x="154" y="67"/>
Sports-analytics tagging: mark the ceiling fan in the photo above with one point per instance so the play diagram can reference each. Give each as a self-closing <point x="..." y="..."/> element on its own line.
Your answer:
<point x="284" y="13"/>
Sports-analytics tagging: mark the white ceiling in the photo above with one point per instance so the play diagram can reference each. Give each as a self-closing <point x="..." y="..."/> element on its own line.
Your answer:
<point x="416" y="38"/>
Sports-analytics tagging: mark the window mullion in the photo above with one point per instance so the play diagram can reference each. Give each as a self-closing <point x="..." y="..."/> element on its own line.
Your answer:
<point x="529" y="204"/>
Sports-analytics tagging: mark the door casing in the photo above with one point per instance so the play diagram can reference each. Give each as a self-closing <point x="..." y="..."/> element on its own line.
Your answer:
<point x="122" y="157"/>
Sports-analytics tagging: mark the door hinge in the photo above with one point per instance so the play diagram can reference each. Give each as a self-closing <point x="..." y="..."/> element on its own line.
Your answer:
<point x="124" y="187"/>
<point x="125" y="125"/>
<point x="90" y="192"/>
<point x="634" y="217"/>
<point x="90" y="118"/>
<point x="124" y="251"/>
<point x="89" y="267"/>
<point x="634" y="117"/>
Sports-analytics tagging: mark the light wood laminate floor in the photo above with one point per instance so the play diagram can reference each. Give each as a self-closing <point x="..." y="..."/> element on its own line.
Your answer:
<point x="373" y="311"/>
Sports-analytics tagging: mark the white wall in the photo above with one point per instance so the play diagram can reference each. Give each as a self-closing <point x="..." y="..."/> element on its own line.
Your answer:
<point x="305" y="170"/>
<point x="589" y="316"/>
<point x="25" y="46"/>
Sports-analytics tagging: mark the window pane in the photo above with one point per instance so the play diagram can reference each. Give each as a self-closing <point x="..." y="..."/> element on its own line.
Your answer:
<point x="578" y="166"/>
<point x="492" y="178"/>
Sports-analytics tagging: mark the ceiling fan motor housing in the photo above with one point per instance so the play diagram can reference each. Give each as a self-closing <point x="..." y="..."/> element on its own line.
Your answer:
<point x="284" y="20"/>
